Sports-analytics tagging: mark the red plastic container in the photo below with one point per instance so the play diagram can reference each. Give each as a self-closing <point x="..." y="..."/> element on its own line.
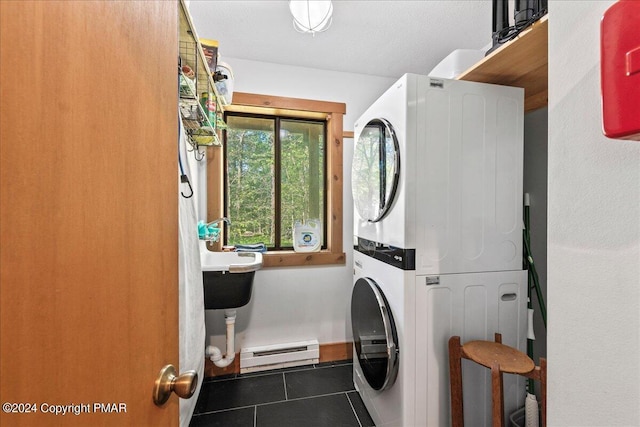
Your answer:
<point x="620" y="70"/>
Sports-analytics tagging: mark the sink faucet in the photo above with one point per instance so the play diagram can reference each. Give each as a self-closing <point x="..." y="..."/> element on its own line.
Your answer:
<point x="223" y="219"/>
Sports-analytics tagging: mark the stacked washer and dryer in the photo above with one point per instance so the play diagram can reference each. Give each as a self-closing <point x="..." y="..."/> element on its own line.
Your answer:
<point x="437" y="188"/>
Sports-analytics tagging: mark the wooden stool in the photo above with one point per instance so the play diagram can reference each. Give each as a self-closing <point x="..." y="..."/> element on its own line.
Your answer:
<point x="499" y="358"/>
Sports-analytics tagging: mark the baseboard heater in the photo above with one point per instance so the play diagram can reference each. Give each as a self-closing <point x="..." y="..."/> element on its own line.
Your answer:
<point x="278" y="356"/>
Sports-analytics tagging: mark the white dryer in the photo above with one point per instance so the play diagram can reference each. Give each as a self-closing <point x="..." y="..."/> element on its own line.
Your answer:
<point x="437" y="167"/>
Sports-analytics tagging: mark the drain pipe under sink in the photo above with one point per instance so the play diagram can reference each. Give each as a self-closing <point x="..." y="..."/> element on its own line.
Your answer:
<point x="214" y="352"/>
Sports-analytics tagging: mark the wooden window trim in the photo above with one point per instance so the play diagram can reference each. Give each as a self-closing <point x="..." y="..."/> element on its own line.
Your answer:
<point x="333" y="112"/>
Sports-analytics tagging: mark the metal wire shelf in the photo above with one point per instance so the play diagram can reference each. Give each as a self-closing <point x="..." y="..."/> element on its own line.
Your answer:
<point x="199" y="105"/>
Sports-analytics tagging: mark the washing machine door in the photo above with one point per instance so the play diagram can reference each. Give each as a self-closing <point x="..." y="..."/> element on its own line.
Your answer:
<point x="375" y="170"/>
<point x="374" y="334"/>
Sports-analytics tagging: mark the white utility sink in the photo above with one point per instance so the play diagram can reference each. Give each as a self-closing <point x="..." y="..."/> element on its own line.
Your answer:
<point x="227" y="277"/>
<point x="233" y="262"/>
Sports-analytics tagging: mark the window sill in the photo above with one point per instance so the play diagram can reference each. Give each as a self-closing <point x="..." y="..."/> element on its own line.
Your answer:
<point x="297" y="259"/>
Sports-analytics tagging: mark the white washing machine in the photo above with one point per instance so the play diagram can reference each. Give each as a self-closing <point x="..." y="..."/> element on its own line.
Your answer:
<point x="383" y="322"/>
<point x="437" y="188"/>
<point x="437" y="167"/>
<point x="402" y="323"/>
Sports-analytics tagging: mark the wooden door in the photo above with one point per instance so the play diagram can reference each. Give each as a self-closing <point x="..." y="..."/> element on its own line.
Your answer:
<point x="89" y="263"/>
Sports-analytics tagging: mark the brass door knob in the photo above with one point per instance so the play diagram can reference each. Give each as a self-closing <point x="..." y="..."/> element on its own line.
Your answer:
<point x="183" y="385"/>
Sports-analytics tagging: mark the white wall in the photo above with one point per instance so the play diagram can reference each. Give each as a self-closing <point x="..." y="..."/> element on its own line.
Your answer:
<point x="293" y="304"/>
<point x="358" y="91"/>
<point x="593" y="237"/>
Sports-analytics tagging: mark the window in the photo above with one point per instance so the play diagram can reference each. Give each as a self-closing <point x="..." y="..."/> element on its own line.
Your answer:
<point x="290" y="143"/>
<point x="275" y="168"/>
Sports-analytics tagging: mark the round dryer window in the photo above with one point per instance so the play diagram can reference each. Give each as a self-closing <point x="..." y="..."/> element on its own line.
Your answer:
<point x="375" y="170"/>
<point x="374" y="334"/>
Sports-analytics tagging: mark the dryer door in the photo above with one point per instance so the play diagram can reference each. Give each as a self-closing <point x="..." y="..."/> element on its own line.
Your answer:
<point x="374" y="334"/>
<point x="375" y="170"/>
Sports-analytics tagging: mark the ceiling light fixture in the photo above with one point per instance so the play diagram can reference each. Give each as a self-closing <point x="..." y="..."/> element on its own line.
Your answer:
<point x="311" y="16"/>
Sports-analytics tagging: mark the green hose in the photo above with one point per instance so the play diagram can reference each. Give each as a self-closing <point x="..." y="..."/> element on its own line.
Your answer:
<point x="534" y="274"/>
<point x="532" y="283"/>
<point x="530" y="265"/>
<point x="526" y="237"/>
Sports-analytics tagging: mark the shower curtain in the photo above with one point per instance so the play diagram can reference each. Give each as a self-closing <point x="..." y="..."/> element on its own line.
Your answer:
<point x="192" y="333"/>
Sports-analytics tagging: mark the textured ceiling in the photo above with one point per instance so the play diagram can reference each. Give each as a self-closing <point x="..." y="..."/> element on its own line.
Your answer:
<point x="382" y="38"/>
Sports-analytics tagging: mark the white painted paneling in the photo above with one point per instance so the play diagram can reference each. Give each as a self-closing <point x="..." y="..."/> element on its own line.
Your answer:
<point x="297" y="304"/>
<point x="593" y="236"/>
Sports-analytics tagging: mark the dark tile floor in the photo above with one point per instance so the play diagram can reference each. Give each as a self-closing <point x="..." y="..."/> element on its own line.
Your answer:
<point x="307" y="396"/>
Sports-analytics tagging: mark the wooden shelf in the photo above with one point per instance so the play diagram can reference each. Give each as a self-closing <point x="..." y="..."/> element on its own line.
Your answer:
<point x="522" y="62"/>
